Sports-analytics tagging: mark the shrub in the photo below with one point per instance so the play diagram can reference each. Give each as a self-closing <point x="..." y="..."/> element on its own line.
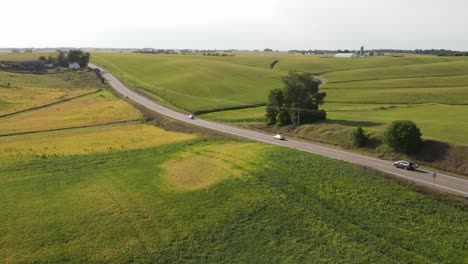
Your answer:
<point x="403" y="136"/>
<point x="358" y="137"/>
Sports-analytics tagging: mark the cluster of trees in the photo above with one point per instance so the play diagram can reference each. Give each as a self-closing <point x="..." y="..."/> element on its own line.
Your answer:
<point x="63" y="59"/>
<point x="297" y="103"/>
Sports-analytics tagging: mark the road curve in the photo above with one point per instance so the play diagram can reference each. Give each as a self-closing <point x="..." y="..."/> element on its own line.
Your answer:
<point x="443" y="182"/>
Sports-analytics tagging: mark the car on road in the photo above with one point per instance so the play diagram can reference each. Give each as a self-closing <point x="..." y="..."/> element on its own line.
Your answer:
<point x="191" y="116"/>
<point x="279" y="137"/>
<point x="407" y="165"/>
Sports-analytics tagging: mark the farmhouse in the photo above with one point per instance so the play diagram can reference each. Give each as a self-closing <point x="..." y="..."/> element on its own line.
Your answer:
<point x="74" y="65"/>
<point x="346" y="55"/>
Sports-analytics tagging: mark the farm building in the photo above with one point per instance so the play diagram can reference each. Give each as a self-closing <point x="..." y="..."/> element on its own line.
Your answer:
<point x="346" y="55"/>
<point x="74" y="65"/>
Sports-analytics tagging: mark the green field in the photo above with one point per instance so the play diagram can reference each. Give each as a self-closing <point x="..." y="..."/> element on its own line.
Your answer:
<point x="283" y="206"/>
<point x="203" y="83"/>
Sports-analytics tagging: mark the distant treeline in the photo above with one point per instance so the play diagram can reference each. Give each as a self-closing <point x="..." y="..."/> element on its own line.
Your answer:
<point x="182" y="51"/>
<point x="436" y="52"/>
<point x="217" y="54"/>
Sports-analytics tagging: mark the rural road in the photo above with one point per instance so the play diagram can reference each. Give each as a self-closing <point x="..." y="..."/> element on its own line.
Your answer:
<point x="442" y="182"/>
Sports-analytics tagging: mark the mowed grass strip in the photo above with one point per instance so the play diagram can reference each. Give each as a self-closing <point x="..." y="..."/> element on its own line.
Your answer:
<point x="86" y="141"/>
<point x="289" y="207"/>
<point x="95" y="109"/>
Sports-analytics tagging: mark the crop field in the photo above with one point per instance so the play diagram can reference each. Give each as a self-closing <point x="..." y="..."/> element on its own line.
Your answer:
<point x="145" y="205"/>
<point x="95" y="109"/>
<point x="21" y="91"/>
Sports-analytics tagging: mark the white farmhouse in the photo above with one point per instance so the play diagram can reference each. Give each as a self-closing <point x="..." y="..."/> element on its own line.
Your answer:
<point x="346" y="55"/>
<point x="74" y="65"/>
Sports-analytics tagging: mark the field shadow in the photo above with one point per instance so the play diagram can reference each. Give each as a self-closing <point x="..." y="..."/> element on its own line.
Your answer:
<point x="354" y="123"/>
<point x="432" y="150"/>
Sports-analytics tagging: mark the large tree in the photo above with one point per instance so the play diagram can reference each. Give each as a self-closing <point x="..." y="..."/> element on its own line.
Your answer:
<point x="297" y="103"/>
<point x="74" y="55"/>
<point x="403" y="136"/>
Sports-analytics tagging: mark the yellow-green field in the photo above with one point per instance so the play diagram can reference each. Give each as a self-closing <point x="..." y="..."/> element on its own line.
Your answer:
<point x="26" y="91"/>
<point x="207" y="165"/>
<point x="87" y="141"/>
<point x="95" y="109"/>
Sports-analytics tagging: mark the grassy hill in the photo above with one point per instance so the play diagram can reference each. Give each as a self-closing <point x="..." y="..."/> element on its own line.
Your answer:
<point x="207" y="83"/>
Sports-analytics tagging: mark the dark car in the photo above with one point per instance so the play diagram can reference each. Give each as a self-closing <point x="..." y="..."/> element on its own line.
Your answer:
<point x="407" y="165"/>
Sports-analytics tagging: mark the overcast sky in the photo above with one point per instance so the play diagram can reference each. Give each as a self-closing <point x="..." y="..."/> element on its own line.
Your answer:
<point x="239" y="24"/>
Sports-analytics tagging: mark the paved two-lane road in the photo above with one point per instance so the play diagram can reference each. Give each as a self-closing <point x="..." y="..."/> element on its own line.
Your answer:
<point x="443" y="182"/>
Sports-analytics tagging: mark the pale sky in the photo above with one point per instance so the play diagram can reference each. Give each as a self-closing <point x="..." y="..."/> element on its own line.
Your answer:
<point x="239" y="24"/>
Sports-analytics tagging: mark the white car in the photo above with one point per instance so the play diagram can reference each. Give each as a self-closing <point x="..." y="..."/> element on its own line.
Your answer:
<point x="191" y="117"/>
<point x="279" y="137"/>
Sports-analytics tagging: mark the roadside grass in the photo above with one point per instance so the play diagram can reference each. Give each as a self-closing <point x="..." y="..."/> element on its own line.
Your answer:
<point x="89" y="140"/>
<point x="26" y="91"/>
<point x="288" y="206"/>
<point x="96" y="109"/>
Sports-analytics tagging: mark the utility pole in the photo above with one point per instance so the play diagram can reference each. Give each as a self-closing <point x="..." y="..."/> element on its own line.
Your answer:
<point x="298" y="112"/>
